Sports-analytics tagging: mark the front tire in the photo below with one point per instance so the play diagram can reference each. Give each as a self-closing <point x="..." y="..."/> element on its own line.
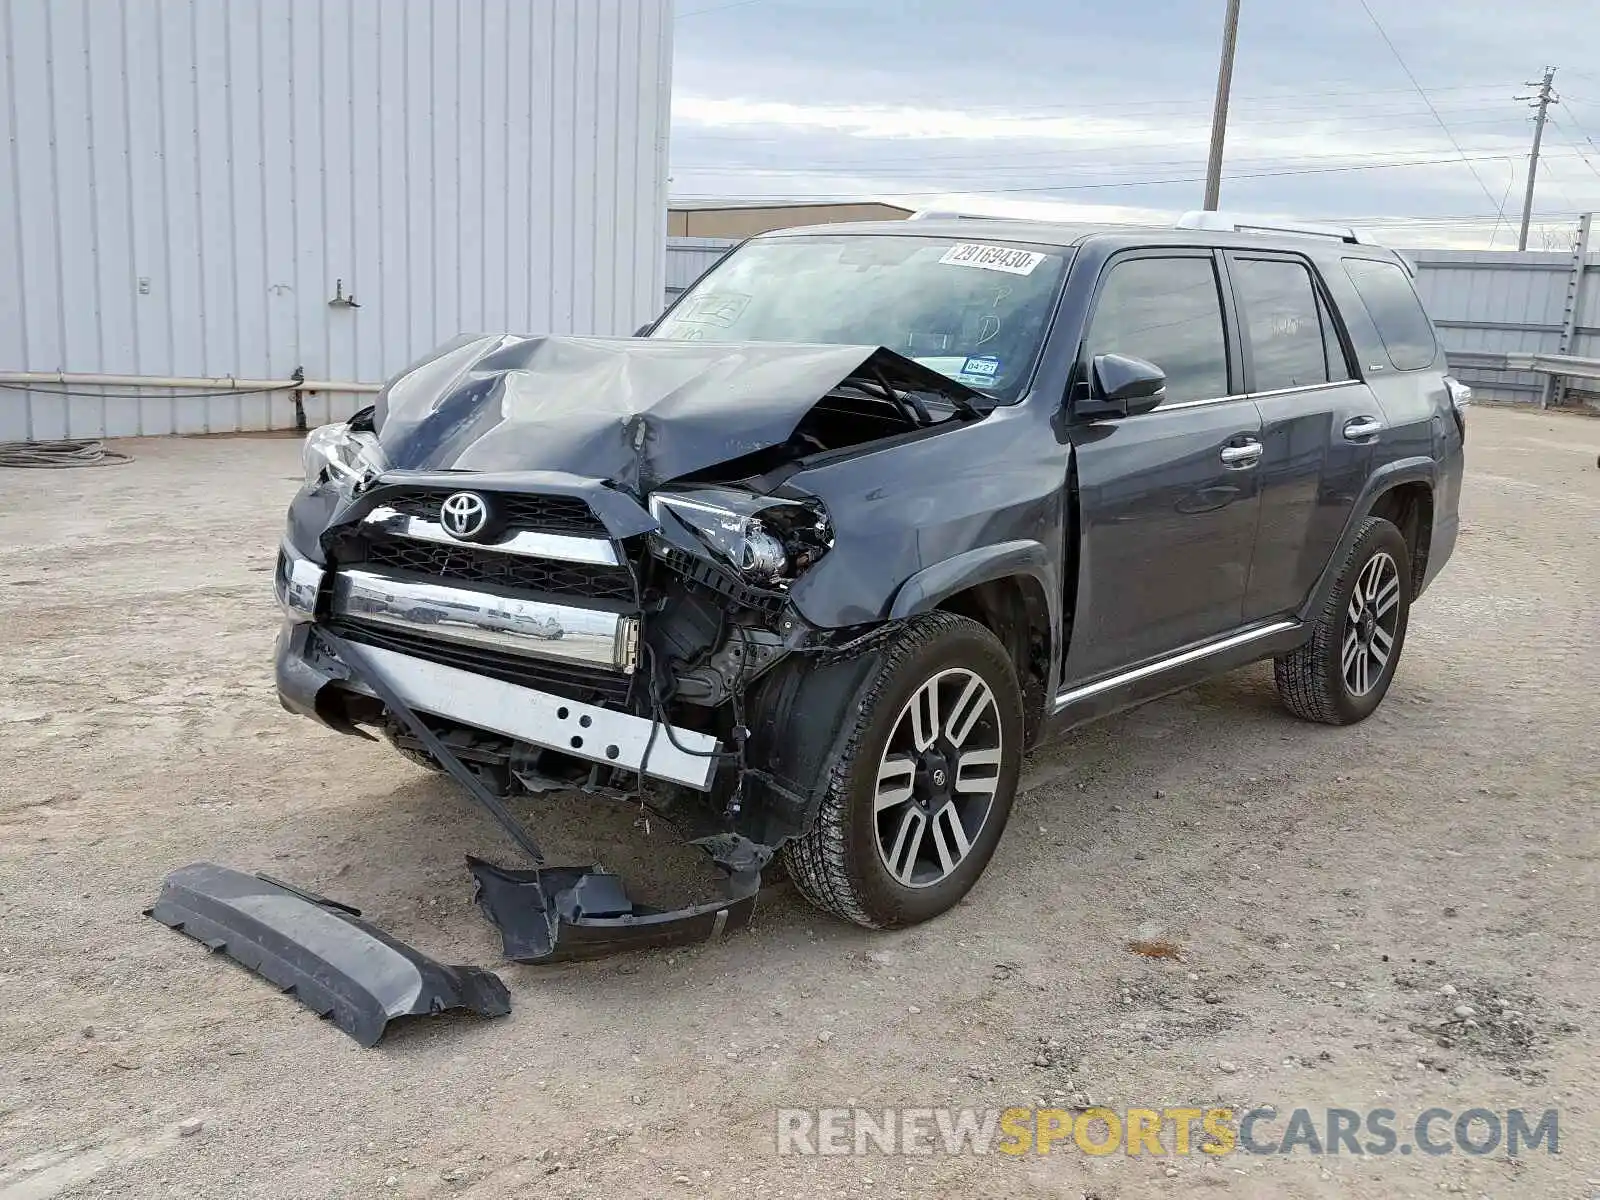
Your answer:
<point x="917" y="800"/>
<point x="1342" y="673"/>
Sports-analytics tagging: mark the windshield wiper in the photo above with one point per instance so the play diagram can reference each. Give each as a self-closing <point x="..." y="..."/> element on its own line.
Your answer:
<point x="904" y="400"/>
<point x="909" y="403"/>
<point x="908" y="406"/>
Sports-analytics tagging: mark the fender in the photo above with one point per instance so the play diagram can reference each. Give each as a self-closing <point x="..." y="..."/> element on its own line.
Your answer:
<point x="932" y="585"/>
<point x="1402" y="470"/>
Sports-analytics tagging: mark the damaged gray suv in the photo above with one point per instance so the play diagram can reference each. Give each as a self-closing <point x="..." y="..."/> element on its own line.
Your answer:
<point x="811" y="562"/>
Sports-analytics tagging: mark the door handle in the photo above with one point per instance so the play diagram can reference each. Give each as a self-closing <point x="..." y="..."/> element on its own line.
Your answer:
<point x="1243" y="456"/>
<point x="1361" y="429"/>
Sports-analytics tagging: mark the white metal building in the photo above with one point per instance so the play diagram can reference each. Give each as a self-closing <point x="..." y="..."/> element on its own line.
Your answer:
<point x="191" y="188"/>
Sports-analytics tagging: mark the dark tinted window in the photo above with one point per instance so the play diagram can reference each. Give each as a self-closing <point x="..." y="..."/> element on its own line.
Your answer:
<point x="1167" y="311"/>
<point x="1278" y="306"/>
<point x="1393" y="305"/>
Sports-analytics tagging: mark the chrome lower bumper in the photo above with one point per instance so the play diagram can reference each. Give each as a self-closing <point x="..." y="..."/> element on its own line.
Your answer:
<point x="452" y="614"/>
<point x="584" y="731"/>
<point x="527" y="627"/>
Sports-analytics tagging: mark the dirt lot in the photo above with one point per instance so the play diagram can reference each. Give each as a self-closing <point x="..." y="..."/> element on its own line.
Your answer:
<point x="1324" y="886"/>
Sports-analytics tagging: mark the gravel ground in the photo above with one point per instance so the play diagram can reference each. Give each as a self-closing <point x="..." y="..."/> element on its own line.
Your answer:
<point x="1323" y="886"/>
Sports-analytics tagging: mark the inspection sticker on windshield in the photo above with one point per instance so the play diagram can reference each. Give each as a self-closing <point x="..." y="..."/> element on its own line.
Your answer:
<point x="992" y="258"/>
<point x="980" y="370"/>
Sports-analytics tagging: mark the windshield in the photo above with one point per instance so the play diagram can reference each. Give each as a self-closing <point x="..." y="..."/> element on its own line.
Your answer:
<point x="975" y="311"/>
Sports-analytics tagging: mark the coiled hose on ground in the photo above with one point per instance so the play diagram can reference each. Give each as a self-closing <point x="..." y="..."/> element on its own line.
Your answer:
<point x="58" y="455"/>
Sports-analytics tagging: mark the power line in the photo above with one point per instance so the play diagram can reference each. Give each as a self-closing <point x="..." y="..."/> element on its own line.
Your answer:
<point x="1280" y="166"/>
<point x="1110" y="140"/>
<point x="1571" y="141"/>
<point x="1065" y="158"/>
<point x="1292" y="113"/>
<point x="1573" y="117"/>
<point x="1288" y="98"/>
<point x="1128" y="183"/>
<point x="700" y="12"/>
<point x="1376" y="24"/>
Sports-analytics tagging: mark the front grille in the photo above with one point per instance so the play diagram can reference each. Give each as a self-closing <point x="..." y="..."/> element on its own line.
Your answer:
<point x="475" y="565"/>
<point x="572" y="681"/>
<point x="519" y="511"/>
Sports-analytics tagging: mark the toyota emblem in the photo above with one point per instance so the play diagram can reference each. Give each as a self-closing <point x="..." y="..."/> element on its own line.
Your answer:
<point x="464" y="515"/>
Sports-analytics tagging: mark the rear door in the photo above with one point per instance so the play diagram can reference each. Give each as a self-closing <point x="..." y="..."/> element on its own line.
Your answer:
<point x="1320" y="425"/>
<point x="1167" y="499"/>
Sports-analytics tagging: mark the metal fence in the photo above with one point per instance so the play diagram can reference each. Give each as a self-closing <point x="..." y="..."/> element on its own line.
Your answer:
<point x="1485" y="303"/>
<point x="1490" y="304"/>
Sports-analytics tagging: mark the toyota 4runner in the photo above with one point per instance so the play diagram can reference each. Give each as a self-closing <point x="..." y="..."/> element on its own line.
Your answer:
<point x="809" y="563"/>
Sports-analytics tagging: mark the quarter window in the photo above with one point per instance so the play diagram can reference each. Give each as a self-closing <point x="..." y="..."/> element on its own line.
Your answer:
<point x="1167" y="311"/>
<point x="1282" y="321"/>
<point x="1393" y="305"/>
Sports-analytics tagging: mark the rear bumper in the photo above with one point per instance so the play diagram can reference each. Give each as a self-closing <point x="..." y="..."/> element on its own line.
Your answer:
<point x="1442" y="545"/>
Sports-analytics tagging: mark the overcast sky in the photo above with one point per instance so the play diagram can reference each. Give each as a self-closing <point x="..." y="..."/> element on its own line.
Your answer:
<point x="1103" y="110"/>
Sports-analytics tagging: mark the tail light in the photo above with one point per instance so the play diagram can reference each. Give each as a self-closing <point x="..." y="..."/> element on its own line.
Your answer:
<point x="1460" y="398"/>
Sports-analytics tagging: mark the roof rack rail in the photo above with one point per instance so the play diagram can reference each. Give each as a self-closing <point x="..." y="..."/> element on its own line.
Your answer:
<point x="951" y="214"/>
<point x="1241" y="223"/>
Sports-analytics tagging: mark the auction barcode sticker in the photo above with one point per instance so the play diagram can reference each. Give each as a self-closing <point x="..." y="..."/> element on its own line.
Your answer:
<point x="992" y="258"/>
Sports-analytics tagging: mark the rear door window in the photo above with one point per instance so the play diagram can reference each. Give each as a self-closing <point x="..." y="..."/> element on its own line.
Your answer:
<point x="1282" y="323"/>
<point x="1167" y="311"/>
<point x="1392" y="303"/>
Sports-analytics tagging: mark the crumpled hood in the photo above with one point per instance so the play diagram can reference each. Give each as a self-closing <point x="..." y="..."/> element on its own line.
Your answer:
<point x="634" y="412"/>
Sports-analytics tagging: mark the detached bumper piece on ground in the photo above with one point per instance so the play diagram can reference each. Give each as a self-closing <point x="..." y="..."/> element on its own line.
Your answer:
<point x="341" y="967"/>
<point x="557" y="914"/>
<point x="336" y="964"/>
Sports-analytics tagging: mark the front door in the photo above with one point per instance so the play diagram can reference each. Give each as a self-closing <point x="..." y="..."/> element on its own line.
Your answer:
<point x="1169" y="499"/>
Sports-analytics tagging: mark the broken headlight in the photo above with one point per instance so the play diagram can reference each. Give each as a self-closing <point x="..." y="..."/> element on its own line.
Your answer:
<point x="342" y="456"/>
<point x="766" y="540"/>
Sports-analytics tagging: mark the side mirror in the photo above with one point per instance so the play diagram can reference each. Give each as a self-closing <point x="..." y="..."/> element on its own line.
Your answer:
<point x="644" y="329"/>
<point x="1121" y="386"/>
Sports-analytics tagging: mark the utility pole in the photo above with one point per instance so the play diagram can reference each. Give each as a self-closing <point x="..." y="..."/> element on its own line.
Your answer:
<point x="1219" y="110"/>
<point x="1545" y="98"/>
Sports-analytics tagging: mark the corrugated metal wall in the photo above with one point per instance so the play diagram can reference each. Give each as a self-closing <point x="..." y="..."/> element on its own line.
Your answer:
<point x="184" y="183"/>
<point x="1481" y="301"/>
<point x="1491" y="302"/>
<point x="689" y="257"/>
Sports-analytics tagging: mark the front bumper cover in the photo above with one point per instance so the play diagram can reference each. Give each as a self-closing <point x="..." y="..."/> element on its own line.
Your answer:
<point x="548" y="914"/>
<point x="333" y="962"/>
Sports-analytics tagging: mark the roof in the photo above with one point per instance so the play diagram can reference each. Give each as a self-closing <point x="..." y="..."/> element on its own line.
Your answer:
<point x="724" y="205"/>
<point x="1065" y="234"/>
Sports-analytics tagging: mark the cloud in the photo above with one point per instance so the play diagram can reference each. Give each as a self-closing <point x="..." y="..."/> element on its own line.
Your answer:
<point x="1024" y="103"/>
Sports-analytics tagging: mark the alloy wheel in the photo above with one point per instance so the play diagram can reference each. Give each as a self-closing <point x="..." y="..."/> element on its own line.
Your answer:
<point x="1371" y="620"/>
<point x="937" y="777"/>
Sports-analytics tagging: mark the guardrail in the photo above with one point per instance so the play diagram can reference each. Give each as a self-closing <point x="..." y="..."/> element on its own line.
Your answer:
<point x="1565" y="366"/>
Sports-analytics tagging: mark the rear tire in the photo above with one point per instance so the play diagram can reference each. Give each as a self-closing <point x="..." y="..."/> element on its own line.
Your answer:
<point x="917" y="800"/>
<point x="1342" y="673"/>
